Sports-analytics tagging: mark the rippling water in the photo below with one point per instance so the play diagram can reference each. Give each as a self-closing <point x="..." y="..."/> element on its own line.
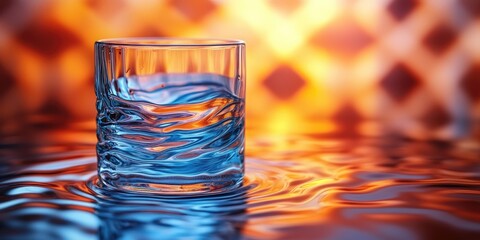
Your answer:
<point x="170" y="132"/>
<point x="296" y="187"/>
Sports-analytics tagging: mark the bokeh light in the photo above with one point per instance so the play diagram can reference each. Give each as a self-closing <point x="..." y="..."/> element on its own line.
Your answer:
<point x="326" y="67"/>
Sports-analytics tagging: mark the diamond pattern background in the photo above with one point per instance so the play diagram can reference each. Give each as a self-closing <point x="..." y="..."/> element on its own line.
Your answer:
<point x="358" y="67"/>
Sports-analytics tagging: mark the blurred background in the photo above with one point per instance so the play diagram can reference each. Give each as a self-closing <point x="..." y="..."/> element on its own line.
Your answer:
<point x="348" y="67"/>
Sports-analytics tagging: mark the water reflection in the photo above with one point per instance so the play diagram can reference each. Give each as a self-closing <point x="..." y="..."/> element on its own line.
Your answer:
<point x="128" y="216"/>
<point x="296" y="187"/>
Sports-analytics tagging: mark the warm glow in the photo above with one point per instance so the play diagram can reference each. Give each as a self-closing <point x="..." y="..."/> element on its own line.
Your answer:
<point x="312" y="66"/>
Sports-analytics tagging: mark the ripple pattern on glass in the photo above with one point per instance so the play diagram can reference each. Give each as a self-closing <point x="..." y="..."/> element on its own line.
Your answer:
<point x="175" y="132"/>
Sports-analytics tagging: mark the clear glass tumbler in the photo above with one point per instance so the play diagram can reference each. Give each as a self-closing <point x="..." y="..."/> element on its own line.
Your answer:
<point x="170" y="114"/>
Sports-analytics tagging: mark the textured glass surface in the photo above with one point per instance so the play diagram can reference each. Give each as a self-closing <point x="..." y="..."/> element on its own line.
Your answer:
<point x="171" y="130"/>
<point x="170" y="115"/>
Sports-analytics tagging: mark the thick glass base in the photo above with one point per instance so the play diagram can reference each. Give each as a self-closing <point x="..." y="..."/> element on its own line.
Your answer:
<point x="173" y="185"/>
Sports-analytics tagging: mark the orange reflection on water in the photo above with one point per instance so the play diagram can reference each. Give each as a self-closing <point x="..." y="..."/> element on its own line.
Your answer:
<point x="296" y="186"/>
<point x="314" y="184"/>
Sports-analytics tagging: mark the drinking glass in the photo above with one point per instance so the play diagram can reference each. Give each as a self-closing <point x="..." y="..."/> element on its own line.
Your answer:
<point x="170" y="114"/>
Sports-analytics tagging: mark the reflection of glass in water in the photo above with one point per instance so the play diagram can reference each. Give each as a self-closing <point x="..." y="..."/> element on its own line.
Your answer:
<point x="335" y="189"/>
<point x="209" y="217"/>
<point x="184" y="130"/>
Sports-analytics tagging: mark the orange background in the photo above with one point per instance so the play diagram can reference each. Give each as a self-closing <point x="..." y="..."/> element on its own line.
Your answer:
<point x="355" y="67"/>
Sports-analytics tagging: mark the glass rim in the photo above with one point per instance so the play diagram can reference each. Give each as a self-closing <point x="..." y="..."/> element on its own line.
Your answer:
<point x="169" y="42"/>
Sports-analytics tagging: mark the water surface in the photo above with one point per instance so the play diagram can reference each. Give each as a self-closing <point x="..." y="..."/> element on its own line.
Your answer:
<point x="296" y="187"/>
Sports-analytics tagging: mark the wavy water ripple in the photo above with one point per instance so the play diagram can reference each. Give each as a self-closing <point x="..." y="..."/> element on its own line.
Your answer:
<point x="170" y="132"/>
<point x="314" y="189"/>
